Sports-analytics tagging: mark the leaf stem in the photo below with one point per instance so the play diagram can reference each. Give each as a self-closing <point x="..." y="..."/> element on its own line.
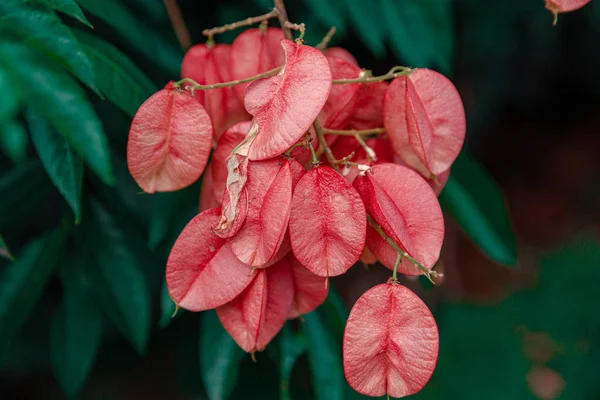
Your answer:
<point x="401" y="253"/>
<point x="283" y="18"/>
<point x="354" y="132"/>
<point x="326" y="39"/>
<point x="238" y="24"/>
<point x="371" y="156"/>
<point x="392" y="73"/>
<point x="196" y="86"/>
<point x="324" y="146"/>
<point x="178" y="23"/>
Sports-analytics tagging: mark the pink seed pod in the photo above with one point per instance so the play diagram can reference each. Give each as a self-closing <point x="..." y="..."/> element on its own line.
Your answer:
<point x="208" y="65"/>
<point x="390" y="342"/>
<point x="402" y="203"/>
<point x="285" y="105"/>
<point x="425" y="120"/>
<point x="253" y="52"/>
<point x="310" y="290"/>
<point x="269" y="190"/>
<point x="202" y="271"/>
<point x="562" y="6"/>
<point x="340" y="104"/>
<point x="169" y="141"/>
<point x="255" y="316"/>
<point x="327" y="222"/>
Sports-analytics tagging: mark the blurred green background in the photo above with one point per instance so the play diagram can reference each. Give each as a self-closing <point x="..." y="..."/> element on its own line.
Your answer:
<point x="83" y="310"/>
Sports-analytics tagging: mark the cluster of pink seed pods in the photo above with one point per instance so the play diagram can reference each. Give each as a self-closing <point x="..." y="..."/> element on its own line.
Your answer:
<point x="316" y="164"/>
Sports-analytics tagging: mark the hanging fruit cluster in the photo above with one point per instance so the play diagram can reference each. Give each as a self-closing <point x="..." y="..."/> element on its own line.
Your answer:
<point x="316" y="164"/>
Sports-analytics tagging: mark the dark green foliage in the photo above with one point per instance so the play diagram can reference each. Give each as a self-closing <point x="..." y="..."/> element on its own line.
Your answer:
<point x="83" y="253"/>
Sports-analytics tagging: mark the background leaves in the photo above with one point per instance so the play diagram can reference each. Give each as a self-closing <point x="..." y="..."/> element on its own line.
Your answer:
<point x="83" y="86"/>
<point x="474" y="199"/>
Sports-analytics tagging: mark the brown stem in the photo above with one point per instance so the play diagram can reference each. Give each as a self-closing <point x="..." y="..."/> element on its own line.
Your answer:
<point x="235" y="25"/>
<point x="283" y="18"/>
<point x="196" y="86"/>
<point x="325" y="148"/>
<point x="326" y="39"/>
<point x="371" y="156"/>
<point x="176" y="18"/>
<point x="353" y="132"/>
<point x="392" y="73"/>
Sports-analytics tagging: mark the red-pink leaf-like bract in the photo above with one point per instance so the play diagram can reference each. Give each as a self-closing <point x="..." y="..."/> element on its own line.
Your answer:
<point x="269" y="191"/>
<point x="259" y="312"/>
<point x="169" y="141"/>
<point x="208" y="65"/>
<point x="405" y="206"/>
<point x="207" y="195"/>
<point x="391" y="342"/>
<point x="368" y="108"/>
<point x="202" y="271"/>
<point x="340" y="104"/>
<point x="285" y="105"/>
<point x="342" y="53"/>
<point x="327" y="222"/>
<point x="218" y="164"/>
<point x="425" y="120"/>
<point x="310" y="290"/>
<point x="561" y="6"/>
<point x="253" y="52"/>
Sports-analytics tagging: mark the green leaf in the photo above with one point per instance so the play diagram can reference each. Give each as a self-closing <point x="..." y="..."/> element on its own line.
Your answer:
<point x="68" y="7"/>
<point x="13" y="140"/>
<point x="9" y="106"/>
<point x="4" y="252"/>
<point x="75" y="332"/>
<point x="63" y="166"/>
<point x="116" y="76"/>
<point x="219" y="358"/>
<point x="119" y="283"/>
<point x="22" y="283"/>
<point x="421" y="32"/>
<point x="329" y="13"/>
<point x="167" y="308"/>
<point x="293" y="345"/>
<point x="477" y="204"/>
<point x="21" y="188"/>
<point x="335" y="313"/>
<point x="38" y="27"/>
<point x="365" y="20"/>
<point x="57" y="97"/>
<point x="324" y="358"/>
<point x="170" y="212"/>
<point x="139" y="37"/>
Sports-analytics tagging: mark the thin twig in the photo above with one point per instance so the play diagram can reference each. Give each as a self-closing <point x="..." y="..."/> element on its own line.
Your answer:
<point x="392" y="73"/>
<point x="283" y="18"/>
<point x="196" y="86"/>
<point x="326" y="39"/>
<point x="296" y="27"/>
<point x="353" y="132"/>
<point x="176" y="18"/>
<point x="371" y="156"/>
<point x="325" y="148"/>
<point x="235" y="25"/>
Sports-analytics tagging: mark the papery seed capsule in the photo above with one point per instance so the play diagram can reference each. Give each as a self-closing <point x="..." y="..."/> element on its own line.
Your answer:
<point x="327" y="222"/>
<point x="425" y="120"/>
<point x="169" y="141"/>
<point x="255" y="316"/>
<point x="202" y="271"/>
<point x="404" y="205"/>
<point x="390" y="342"/>
<point x="285" y="105"/>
